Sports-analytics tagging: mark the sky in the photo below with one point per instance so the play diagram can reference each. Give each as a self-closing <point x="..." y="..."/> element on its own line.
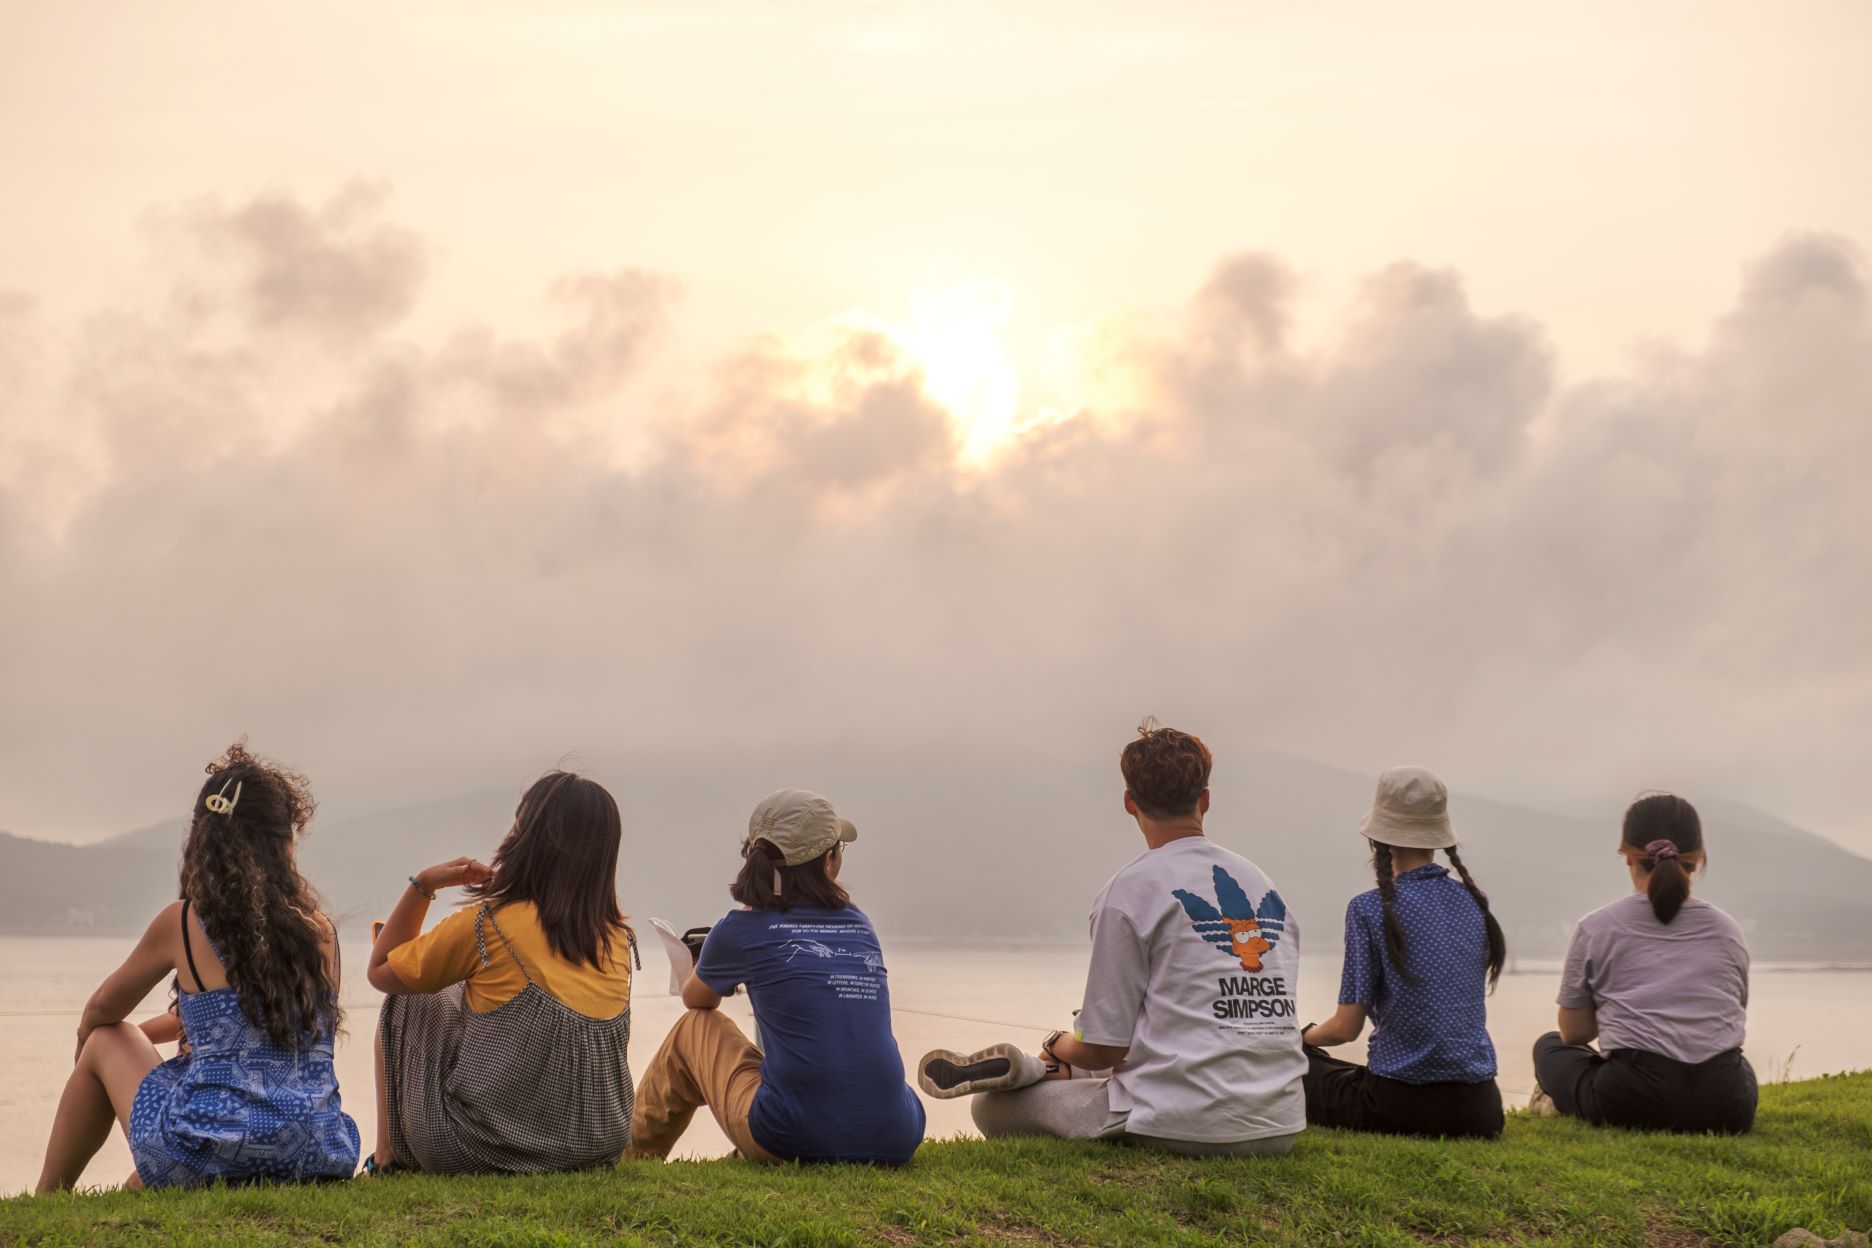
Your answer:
<point x="431" y="392"/>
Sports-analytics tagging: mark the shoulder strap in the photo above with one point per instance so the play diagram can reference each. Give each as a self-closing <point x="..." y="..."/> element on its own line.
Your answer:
<point x="485" y="914"/>
<point x="636" y="958"/>
<point x="188" y="949"/>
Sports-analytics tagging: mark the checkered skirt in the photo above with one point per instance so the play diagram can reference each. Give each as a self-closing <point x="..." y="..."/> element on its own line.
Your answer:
<point x="531" y="1085"/>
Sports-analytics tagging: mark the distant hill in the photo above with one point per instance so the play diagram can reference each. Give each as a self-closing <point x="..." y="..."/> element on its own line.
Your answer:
<point x="44" y="884"/>
<point x="1005" y="850"/>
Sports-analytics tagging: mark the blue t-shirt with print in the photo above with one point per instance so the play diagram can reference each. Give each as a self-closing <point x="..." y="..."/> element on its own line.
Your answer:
<point x="832" y="1081"/>
<point x="1437" y="1030"/>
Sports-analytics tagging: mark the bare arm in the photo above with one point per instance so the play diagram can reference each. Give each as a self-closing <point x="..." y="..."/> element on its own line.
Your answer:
<point x="1342" y="1028"/>
<point x="1578" y="1024"/>
<point x="1076" y="1052"/>
<point x="165" y="1028"/>
<point x="124" y="988"/>
<point x="698" y="995"/>
<point x="406" y="920"/>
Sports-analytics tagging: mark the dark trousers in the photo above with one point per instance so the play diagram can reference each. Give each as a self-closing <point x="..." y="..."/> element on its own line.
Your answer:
<point x="1633" y="1088"/>
<point x="1344" y="1094"/>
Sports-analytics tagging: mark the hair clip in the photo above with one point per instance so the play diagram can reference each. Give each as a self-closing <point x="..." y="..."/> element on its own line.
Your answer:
<point x="220" y="803"/>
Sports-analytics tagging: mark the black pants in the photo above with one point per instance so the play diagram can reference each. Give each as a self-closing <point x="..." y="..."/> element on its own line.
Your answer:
<point x="1633" y="1088"/>
<point x="1343" y="1094"/>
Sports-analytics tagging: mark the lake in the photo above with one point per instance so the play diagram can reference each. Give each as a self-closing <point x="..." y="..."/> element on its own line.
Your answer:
<point x="1803" y="1021"/>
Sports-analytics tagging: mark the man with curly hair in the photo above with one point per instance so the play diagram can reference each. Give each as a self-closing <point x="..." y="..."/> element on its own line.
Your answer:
<point x="1187" y="1039"/>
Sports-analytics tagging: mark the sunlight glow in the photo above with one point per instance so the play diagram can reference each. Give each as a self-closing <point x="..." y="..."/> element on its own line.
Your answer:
<point x="955" y="336"/>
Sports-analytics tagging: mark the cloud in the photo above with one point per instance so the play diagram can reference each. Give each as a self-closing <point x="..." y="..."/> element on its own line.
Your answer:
<point x="406" y="566"/>
<point x="334" y="273"/>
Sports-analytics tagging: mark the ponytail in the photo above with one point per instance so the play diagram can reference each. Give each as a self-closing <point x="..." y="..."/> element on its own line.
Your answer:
<point x="1393" y="929"/>
<point x="1668" y="888"/>
<point x="1497" y="942"/>
<point x="765" y="882"/>
<point x="1664" y="836"/>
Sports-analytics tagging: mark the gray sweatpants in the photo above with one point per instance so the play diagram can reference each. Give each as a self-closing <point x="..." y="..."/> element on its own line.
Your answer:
<point x="1080" y="1109"/>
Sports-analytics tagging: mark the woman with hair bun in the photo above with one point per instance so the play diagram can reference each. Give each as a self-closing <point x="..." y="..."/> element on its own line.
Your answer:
<point x="1660" y="980"/>
<point x="251" y="1094"/>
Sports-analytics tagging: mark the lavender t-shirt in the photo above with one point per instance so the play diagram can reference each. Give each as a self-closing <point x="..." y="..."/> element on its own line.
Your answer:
<point x="1680" y="989"/>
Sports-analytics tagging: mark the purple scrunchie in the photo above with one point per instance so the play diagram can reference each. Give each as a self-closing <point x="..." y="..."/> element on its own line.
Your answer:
<point x="1660" y="849"/>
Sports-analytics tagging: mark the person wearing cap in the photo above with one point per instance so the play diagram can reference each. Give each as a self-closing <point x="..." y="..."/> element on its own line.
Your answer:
<point x="829" y="1085"/>
<point x="1660" y="979"/>
<point x="1186" y="1040"/>
<point x="1422" y="952"/>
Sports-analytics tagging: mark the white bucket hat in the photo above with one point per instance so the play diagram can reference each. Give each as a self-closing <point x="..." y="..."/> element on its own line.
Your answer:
<point x="1411" y="811"/>
<point x="801" y="824"/>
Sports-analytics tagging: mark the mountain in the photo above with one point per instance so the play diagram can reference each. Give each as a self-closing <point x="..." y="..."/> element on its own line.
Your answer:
<point x="47" y="885"/>
<point x="1007" y="849"/>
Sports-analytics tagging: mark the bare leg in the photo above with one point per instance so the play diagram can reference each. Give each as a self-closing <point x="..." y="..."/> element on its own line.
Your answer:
<point x="102" y="1086"/>
<point x="382" y="1152"/>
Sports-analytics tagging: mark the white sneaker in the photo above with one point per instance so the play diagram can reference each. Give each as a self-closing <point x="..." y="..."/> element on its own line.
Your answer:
<point x="1541" y="1105"/>
<point x="944" y="1073"/>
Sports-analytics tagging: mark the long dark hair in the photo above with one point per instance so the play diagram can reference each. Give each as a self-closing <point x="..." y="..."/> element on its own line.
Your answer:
<point x="808" y="884"/>
<point x="562" y="855"/>
<point x="1664" y="817"/>
<point x="268" y="924"/>
<point x="1394" y="930"/>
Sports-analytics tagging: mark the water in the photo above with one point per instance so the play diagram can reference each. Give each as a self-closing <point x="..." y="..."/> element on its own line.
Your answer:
<point x="953" y="996"/>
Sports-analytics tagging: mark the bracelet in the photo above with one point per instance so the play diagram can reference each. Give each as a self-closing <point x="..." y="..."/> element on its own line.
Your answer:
<point x="417" y="885"/>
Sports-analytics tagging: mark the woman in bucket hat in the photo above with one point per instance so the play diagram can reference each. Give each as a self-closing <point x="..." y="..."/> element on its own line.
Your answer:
<point x="1421" y="953"/>
<point x="1660" y="979"/>
<point x="830" y="1084"/>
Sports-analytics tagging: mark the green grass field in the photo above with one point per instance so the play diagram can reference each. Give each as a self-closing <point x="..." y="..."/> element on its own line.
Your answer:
<point x="1548" y="1181"/>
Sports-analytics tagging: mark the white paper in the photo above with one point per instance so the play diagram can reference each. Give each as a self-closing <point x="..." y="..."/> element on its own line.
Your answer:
<point x="681" y="961"/>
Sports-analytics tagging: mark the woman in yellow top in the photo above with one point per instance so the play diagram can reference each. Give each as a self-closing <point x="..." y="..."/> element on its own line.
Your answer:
<point x="503" y="1037"/>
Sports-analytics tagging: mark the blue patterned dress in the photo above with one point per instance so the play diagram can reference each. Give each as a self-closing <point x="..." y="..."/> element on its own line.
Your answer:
<point x="237" y="1107"/>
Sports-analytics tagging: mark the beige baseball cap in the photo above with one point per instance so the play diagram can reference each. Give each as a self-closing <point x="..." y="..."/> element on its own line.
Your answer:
<point x="1411" y="811"/>
<point x="800" y="823"/>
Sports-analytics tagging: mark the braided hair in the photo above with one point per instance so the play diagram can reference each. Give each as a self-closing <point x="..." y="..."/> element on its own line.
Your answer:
<point x="1497" y="942"/>
<point x="1393" y="929"/>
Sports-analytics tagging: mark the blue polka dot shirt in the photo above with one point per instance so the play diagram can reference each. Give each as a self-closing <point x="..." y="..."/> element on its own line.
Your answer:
<point x="1437" y="1030"/>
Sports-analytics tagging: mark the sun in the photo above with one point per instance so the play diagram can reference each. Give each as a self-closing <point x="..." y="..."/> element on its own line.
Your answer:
<point x="955" y="337"/>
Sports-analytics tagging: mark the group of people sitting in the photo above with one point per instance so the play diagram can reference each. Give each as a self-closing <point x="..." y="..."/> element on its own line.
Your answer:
<point x="502" y="1043"/>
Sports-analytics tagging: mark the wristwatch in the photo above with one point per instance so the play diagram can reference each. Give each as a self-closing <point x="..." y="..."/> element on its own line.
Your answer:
<point x="1053" y="1063"/>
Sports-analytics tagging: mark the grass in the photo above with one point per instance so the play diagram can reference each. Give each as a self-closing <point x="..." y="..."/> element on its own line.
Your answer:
<point x="1547" y="1181"/>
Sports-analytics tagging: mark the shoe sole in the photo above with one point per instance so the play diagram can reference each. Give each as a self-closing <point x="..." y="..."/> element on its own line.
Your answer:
<point x="945" y="1074"/>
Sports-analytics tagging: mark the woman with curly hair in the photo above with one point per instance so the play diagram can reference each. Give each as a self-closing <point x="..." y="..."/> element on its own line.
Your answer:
<point x="502" y="1043"/>
<point x="251" y="1094"/>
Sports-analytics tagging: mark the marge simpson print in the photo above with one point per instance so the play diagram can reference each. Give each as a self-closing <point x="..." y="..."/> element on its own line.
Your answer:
<point x="1240" y="930"/>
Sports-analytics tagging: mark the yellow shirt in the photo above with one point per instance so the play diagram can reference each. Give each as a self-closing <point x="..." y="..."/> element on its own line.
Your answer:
<point x="446" y="954"/>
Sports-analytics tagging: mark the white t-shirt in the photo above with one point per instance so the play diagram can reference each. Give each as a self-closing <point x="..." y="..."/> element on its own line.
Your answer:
<point x="1195" y="968"/>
